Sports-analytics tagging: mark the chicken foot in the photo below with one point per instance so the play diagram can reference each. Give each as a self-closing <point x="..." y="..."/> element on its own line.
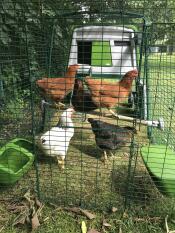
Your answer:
<point x="58" y="105"/>
<point x="61" y="163"/>
<point x="112" y="155"/>
<point x="105" y="156"/>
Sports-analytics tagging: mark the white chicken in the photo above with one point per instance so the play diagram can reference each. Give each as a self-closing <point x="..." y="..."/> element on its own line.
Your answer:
<point x="55" y="142"/>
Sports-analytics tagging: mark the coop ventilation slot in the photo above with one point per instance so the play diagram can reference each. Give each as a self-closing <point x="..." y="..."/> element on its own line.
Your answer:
<point x="122" y="43"/>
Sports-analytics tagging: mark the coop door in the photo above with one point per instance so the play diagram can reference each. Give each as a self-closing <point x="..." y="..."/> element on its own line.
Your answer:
<point x="101" y="53"/>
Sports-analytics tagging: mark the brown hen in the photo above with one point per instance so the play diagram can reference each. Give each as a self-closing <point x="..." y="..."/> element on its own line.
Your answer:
<point x="109" y="95"/>
<point x="57" y="88"/>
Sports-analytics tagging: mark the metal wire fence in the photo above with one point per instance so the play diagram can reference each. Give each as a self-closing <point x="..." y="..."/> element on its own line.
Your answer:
<point x="42" y="40"/>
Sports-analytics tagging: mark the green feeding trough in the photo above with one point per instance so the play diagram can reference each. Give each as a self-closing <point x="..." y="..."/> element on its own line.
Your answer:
<point x="15" y="160"/>
<point x="160" y="163"/>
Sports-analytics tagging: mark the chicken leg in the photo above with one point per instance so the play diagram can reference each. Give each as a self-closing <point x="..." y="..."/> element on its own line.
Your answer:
<point x="104" y="157"/>
<point x="112" y="155"/>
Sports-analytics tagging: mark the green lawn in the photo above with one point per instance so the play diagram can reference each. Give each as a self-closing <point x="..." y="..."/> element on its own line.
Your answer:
<point x="162" y="95"/>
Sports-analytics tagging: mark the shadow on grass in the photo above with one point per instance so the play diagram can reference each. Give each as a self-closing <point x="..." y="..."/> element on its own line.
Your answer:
<point x="137" y="191"/>
<point x="89" y="150"/>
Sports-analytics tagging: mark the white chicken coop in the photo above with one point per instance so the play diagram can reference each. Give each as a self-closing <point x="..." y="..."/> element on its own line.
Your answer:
<point x="107" y="50"/>
<point x="110" y="52"/>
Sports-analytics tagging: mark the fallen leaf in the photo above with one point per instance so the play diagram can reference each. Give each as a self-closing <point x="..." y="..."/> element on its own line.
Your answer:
<point x="47" y="218"/>
<point x="114" y="209"/>
<point x="40" y="209"/>
<point x="2" y="219"/>
<point x="20" y="219"/>
<point x="16" y="208"/>
<point x="35" y="222"/>
<point x="28" y="211"/>
<point x="105" y="224"/>
<point x="38" y="203"/>
<point x="53" y="205"/>
<point x="93" y="231"/>
<point x="80" y="212"/>
<point x="27" y="196"/>
<point x="83" y="227"/>
<point x="73" y="209"/>
<point x="125" y="215"/>
<point x="120" y="230"/>
<point x="2" y="228"/>
<point x="28" y="220"/>
<point x="88" y="214"/>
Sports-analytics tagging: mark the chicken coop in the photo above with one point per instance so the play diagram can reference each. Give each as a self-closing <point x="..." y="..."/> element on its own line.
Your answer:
<point x="116" y="69"/>
<point x="99" y="48"/>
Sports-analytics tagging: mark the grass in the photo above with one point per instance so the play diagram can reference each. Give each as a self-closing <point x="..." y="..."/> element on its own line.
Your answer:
<point x="56" y="220"/>
<point x="161" y="96"/>
<point x="91" y="184"/>
<point x="88" y="183"/>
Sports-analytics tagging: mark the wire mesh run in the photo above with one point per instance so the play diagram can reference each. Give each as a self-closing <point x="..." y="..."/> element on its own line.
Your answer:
<point x="117" y="147"/>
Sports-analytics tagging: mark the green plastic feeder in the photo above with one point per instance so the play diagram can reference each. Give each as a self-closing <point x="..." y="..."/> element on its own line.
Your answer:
<point x="15" y="160"/>
<point x="160" y="163"/>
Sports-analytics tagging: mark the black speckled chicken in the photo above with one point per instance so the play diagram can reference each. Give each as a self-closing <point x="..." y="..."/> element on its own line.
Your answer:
<point x="110" y="137"/>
